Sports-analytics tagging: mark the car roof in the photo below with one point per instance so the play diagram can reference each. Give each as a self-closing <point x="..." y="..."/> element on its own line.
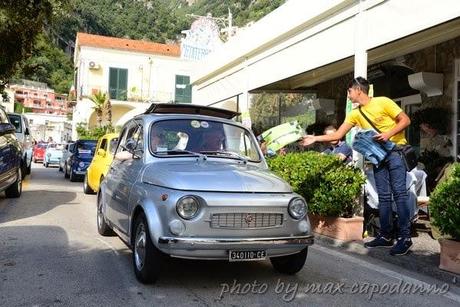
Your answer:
<point x="177" y="108"/>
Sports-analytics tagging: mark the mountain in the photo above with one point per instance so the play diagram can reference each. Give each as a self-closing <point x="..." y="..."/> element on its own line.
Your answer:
<point x="153" y="20"/>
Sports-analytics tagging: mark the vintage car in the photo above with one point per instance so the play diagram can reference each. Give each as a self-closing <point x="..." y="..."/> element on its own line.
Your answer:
<point x="39" y="152"/>
<point x="11" y="162"/>
<point x="53" y="154"/>
<point x="66" y="153"/>
<point x="100" y="164"/>
<point x="190" y="185"/>
<point x="23" y="134"/>
<point x="80" y="155"/>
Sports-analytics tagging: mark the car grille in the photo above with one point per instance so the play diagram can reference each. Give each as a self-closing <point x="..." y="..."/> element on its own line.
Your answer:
<point x="246" y="220"/>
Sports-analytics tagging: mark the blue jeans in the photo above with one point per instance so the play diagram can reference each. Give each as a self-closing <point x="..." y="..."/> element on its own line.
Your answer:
<point x="390" y="180"/>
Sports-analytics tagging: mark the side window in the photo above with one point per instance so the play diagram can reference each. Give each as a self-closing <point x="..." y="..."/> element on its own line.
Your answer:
<point x="113" y="145"/>
<point x="103" y="144"/>
<point x="122" y="143"/>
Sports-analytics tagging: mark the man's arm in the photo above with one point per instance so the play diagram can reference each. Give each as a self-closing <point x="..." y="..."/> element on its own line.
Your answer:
<point x="338" y="135"/>
<point x="402" y="121"/>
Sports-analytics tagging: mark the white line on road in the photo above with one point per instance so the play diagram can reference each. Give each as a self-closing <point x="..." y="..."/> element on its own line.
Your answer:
<point x="109" y="246"/>
<point x="381" y="270"/>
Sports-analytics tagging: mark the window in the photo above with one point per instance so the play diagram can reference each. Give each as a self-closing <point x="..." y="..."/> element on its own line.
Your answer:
<point x="183" y="92"/>
<point x="118" y="83"/>
<point x="103" y="144"/>
<point x="16" y="121"/>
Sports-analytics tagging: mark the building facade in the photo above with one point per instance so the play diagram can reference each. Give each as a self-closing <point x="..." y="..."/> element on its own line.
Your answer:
<point x="37" y="97"/>
<point x="132" y="73"/>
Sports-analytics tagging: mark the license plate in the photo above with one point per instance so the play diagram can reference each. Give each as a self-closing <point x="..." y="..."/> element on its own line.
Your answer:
<point x="247" y="255"/>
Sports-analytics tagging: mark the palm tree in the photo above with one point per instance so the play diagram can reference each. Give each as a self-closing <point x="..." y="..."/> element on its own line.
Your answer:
<point x="99" y="99"/>
<point x="108" y="113"/>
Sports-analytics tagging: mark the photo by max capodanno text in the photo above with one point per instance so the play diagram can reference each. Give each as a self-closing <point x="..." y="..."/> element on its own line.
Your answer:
<point x="289" y="290"/>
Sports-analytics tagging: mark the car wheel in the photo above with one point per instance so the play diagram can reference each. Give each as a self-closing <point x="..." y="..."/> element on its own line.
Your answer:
<point x="24" y="169"/>
<point x="14" y="190"/>
<point x="66" y="173"/>
<point x="290" y="264"/>
<point x="46" y="164"/>
<point x="60" y="168"/>
<point x="147" y="259"/>
<point x="86" y="188"/>
<point x="29" y="168"/>
<point x="72" y="176"/>
<point x="102" y="227"/>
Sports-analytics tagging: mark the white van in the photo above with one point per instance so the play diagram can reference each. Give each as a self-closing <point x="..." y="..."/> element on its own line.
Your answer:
<point x="21" y="123"/>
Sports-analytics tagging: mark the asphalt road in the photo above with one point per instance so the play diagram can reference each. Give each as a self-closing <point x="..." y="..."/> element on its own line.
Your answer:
<point x="52" y="255"/>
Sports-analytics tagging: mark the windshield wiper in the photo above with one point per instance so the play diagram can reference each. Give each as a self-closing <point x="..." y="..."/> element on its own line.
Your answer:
<point x="226" y="154"/>
<point x="180" y="152"/>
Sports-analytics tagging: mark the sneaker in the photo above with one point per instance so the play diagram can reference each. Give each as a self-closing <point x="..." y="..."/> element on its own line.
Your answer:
<point x="379" y="241"/>
<point x="401" y="247"/>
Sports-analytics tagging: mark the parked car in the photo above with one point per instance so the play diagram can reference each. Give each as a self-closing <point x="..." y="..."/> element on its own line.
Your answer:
<point x="100" y="164"/>
<point x="81" y="154"/>
<point x="66" y="153"/>
<point x="39" y="152"/>
<point x="21" y="123"/>
<point x="194" y="186"/>
<point x="10" y="158"/>
<point x="53" y="154"/>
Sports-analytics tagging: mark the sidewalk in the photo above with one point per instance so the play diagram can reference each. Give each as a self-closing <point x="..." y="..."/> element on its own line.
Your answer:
<point x="422" y="258"/>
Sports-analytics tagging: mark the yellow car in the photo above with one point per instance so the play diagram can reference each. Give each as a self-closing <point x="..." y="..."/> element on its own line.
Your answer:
<point x="100" y="164"/>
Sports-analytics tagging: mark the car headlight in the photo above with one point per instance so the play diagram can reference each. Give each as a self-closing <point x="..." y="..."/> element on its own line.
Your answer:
<point x="187" y="207"/>
<point x="297" y="208"/>
<point x="81" y="164"/>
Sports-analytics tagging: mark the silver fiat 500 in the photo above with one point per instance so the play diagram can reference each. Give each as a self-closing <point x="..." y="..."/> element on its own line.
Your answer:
<point x="189" y="182"/>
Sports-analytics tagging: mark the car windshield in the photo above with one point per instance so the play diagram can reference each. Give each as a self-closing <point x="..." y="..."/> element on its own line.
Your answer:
<point x="16" y="121"/>
<point x="212" y="138"/>
<point x="86" y="148"/>
<point x="55" y="146"/>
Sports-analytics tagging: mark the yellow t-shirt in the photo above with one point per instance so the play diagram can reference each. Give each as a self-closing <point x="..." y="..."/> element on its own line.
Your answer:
<point x="382" y="111"/>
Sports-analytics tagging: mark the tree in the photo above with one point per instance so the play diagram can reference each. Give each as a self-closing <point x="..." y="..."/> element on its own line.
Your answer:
<point x="99" y="99"/>
<point x="20" y="23"/>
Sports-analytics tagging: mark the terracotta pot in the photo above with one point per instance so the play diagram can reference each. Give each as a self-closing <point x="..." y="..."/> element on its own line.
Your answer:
<point x="345" y="229"/>
<point x="450" y="255"/>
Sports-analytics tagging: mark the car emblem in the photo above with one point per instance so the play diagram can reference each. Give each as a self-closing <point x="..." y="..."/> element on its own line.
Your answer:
<point x="248" y="219"/>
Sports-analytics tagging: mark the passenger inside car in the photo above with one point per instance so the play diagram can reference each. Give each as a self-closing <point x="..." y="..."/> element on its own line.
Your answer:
<point x="213" y="140"/>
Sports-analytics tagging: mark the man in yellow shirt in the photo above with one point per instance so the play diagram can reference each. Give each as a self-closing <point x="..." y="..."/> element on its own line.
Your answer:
<point x="390" y="175"/>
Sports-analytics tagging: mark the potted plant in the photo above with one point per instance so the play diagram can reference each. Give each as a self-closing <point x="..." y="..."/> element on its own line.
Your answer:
<point x="445" y="213"/>
<point x="330" y="188"/>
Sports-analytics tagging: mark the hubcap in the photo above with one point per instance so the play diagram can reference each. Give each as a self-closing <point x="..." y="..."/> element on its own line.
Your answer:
<point x="139" y="247"/>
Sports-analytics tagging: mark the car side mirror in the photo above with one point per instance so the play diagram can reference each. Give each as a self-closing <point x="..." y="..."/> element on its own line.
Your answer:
<point x="131" y="146"/>
<point x="6" y="128"/>
<point x="101" y="152"/>
<point x="26" y="132"/>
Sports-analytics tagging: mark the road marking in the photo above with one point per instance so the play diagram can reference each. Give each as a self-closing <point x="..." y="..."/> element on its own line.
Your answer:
<point x="381" y="270"/>
<point x="109" y="246"/>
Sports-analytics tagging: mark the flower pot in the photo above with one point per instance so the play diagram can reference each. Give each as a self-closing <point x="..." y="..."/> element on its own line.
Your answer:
<point x="345" y="229"/>
<point x="450" y="255"/>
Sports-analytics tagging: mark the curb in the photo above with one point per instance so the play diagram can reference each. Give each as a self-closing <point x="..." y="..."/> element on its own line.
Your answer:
<point x="422" y="261"/>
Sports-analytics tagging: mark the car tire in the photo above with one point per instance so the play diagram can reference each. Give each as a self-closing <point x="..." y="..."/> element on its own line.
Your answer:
<point x="46" y="164"/>
<point x="86" y="188"/>
<point x="72" y="176"/>
<point x="60" y="168"/>
<point x="147" y="259"/>
<point x="66" y="174"/>
<point x="29" y="168"/>
<point x="290" y="264"/>
<point x="102" y="227"/>
<point x="15" y="190"/>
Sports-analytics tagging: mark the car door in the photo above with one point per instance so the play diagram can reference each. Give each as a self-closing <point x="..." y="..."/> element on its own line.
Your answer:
<point x="94" y="174"/>
<point x="8" y="156"/>
<point x="124" y="172"/>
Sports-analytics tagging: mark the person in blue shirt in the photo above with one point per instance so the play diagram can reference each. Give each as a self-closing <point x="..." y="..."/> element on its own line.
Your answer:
<point x="338" y="147"/>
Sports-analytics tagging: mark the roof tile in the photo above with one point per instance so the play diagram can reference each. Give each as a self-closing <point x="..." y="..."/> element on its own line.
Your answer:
<point x="85" y="39"/>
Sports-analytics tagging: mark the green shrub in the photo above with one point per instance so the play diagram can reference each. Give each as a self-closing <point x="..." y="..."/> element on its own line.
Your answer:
<point x="94" y="133"/>
<point x="445" y="204"/>
<point x="329" y="187"/>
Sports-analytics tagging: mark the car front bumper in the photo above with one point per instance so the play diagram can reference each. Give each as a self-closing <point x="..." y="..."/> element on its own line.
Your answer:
<point x="213" y="248"/>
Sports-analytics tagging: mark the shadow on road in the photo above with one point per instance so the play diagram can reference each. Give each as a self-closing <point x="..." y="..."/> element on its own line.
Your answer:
<point x="29" y="204"/>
